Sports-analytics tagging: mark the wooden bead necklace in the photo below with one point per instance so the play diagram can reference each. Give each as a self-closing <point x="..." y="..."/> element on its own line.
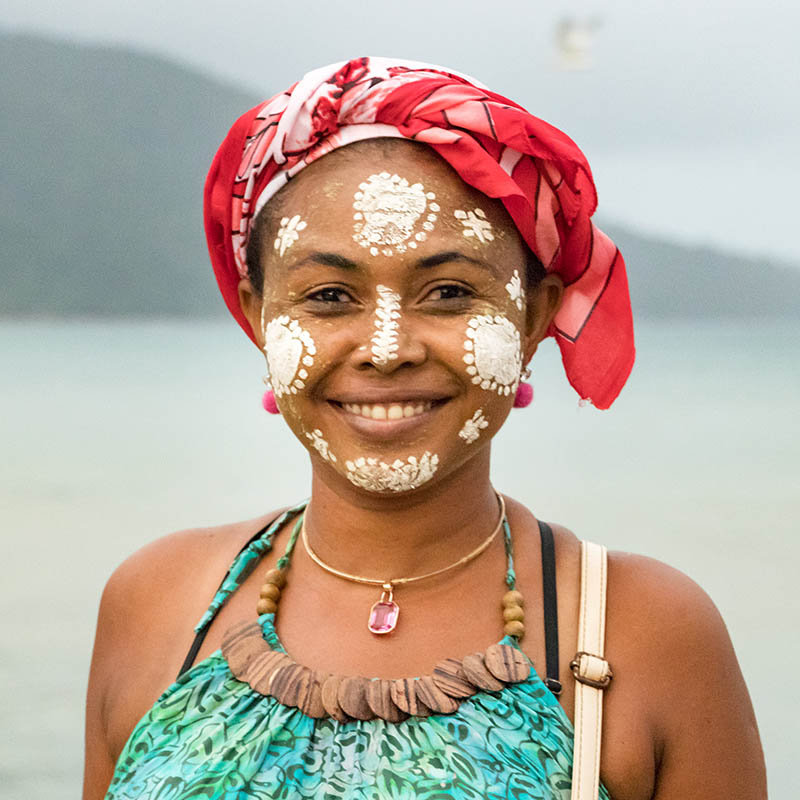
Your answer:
<point x="272" y="672"/>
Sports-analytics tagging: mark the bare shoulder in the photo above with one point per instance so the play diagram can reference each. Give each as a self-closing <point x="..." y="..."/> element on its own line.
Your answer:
<point x="672" y="656"/>
<point x="169" y="557"/>
<point x="664" y="625"/>
<point x="183" y="564"/>
<point x="148" y="611"/>
<point x="656" y="608"/>
<point x="677" y="713"/>
<point x="654" y="587"/>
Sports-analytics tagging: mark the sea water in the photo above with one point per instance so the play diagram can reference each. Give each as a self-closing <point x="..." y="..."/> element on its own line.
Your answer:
<point x="114" y="433"/>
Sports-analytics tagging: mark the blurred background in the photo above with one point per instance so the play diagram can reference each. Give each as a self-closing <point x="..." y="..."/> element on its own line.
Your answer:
<point x="131" y="404"/>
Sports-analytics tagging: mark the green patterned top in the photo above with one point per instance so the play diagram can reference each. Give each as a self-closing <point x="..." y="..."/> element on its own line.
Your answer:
<point x="212" y="736"/>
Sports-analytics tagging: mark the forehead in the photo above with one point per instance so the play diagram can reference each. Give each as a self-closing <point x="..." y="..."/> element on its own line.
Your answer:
<point x="346" y="195"/>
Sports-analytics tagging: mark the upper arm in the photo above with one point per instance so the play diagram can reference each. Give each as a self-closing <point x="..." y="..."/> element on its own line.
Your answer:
<point x="144" y="626"/>
<point x="706" y="739"/>
<point x="144" y="629"/>
<point x="98" y="760"/>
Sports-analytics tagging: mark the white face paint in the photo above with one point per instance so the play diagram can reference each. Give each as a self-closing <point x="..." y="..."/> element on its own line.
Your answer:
<point x="387" y="210"/>
<point x="514" y="289"/>
<point x="289" y="350"/>
<point x="289" y="233"/>
<point x="473" y="427"/>
<point x="494" y="353"/>
<point x="400" y="476"/>
<point x="475" y="225"/>
<point x="320" y="445"/>
<point x="384" y="340"/>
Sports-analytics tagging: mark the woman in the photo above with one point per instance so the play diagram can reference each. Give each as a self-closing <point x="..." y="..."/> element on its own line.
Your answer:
<point x="398" y="240"/>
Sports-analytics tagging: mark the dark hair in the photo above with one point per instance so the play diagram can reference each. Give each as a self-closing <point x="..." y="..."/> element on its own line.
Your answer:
<point x="258" y="229"/>
<point x="534" y="271"/>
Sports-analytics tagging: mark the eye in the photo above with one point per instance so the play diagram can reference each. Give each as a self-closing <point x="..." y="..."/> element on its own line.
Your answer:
<point x="450" y="291"/>
<point x="330" y="294"/>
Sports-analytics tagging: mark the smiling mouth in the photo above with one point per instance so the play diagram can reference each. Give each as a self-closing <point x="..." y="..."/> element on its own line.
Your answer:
<point x="389" y="411"/>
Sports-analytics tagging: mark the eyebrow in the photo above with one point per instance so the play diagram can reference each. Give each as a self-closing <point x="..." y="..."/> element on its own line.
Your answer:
<point x="454" y="255"/>
<point x="340" y="262"/>
<point x="327" y="260"/>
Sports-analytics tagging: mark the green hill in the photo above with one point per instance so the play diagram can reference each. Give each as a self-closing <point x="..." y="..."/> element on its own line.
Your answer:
<point x="105" y="153"/>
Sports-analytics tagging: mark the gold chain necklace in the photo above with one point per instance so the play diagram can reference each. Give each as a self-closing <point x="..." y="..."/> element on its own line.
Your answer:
<point x="384" y="613"/>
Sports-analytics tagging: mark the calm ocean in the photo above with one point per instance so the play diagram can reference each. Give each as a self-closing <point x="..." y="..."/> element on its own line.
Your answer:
<point x="114" y="433"/>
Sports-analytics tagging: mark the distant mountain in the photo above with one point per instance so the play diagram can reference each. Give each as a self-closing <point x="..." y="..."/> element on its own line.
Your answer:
<point x="105" y="154"/>
<point x="673" y="280"/>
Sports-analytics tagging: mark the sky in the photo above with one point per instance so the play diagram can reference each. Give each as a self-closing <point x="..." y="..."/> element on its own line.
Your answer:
<point x="688" y="112"/>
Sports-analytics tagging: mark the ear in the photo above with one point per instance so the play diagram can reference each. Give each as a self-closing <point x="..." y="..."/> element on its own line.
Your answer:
<point x="251" y="302"/>
<point x="542" y="303"/>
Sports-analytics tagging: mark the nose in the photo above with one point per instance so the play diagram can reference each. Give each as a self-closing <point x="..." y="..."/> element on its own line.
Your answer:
<point x="392" y="343"/>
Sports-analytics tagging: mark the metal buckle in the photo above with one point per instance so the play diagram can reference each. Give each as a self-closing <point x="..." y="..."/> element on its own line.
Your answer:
<point x="575" y="666"/>
<point x="553" y="685"/>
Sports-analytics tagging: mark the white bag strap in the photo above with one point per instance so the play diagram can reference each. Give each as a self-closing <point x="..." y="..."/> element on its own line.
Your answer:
<point x="592" y="673"/>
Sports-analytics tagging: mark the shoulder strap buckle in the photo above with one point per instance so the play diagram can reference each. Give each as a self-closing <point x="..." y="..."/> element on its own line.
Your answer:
<point x="591" y="670"/>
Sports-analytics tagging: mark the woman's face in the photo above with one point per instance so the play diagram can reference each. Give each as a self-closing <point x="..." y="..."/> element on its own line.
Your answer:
<point x="394" y="316"/>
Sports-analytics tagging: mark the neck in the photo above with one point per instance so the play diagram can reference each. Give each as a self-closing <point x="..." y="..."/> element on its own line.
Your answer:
<point x="403" y="535"/>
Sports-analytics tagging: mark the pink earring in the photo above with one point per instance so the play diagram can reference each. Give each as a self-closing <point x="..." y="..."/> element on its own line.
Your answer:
<point x="268" y="398"/>
<point x="524" y="395"/>
<point x="268" y="402"/>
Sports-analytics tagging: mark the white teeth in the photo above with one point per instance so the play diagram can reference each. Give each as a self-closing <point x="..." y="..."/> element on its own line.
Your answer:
<point x="383" y="411"/>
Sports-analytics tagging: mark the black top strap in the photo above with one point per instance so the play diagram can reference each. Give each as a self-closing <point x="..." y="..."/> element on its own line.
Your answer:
<point x="550" y="608"/>
<point x="201" y="634"/>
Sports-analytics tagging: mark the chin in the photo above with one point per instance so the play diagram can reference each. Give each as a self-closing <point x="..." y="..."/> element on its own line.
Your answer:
<point x="390" y="477"/>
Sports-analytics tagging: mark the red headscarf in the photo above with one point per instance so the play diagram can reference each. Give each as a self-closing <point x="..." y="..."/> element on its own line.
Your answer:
<point x="538" y="172"/>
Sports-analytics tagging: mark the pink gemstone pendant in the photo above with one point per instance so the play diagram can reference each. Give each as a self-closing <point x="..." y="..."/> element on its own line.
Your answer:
<point x="383" y="614"/>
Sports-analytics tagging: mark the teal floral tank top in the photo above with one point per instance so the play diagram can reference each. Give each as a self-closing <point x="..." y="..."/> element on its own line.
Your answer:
<point x="212" y="736"/>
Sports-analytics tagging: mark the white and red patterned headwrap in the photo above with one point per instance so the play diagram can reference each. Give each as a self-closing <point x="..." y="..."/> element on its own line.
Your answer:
<point x="538" y="172"/>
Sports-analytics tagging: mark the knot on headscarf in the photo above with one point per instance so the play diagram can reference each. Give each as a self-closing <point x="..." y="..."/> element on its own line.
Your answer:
<point x="537" y="172"/>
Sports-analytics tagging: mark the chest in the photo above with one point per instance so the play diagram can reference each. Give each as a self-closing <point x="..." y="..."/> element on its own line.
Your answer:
<point x="315" y="620"/>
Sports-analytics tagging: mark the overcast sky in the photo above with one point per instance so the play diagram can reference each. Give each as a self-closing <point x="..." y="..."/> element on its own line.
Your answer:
<point x="689" y="115"/>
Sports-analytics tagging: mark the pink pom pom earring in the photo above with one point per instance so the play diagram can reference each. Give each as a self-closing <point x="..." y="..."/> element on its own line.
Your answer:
<point x="524" y="395"/>
<point x="268" y="402"/>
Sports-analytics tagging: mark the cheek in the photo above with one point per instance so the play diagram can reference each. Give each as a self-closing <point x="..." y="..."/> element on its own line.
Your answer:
<point x="320" y="444"/>
<point x="493" y="353"/>
<point x="290" y="352"/>
<point x="472" y="428"/>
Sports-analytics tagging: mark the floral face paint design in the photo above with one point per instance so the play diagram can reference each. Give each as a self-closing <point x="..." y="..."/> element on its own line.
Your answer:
<point x="289" y="233"/>
<point x="384" y="340"/>
<point x="387" y="210"/>
<point x="475" y="225"/>
<point x="320" y="445"/>
<point x="494" y="353"/>
<point x="400" y="476"/>
<point x="473" y="427"/>
<point x="289" y="350"/>
<point x="514" y="289"/>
